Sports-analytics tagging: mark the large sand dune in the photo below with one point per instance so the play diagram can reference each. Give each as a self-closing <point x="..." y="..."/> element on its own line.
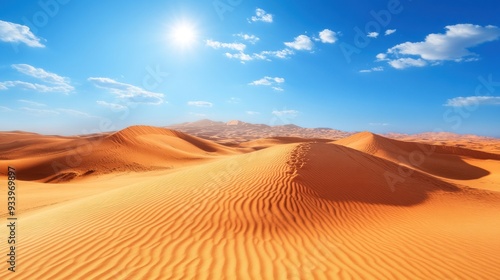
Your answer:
<point x="309" y="210"/>
<point x="137" y="148"/>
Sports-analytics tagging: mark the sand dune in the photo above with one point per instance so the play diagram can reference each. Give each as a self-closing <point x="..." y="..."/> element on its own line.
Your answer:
<point x="134" y="149"/>
<point x="460" y="165"/>
<point x="290" y="211"/>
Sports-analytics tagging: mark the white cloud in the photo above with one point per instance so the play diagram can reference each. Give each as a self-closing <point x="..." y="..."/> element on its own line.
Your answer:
<point x="33" y="86"/>
<point x="284" y="53"/>
<point x="261" y="15"/>
<point x="373" y="34"/>
<point x="40" y="74"/>
<point x="112" y="106"/>
<point x="268" y="81"/>
<point x="75" y="113"/>
<point x="232" y="46"/>
<point x="327" y="36"/>
<point x="389" y="32"/>
<point x="453" y="45"/>
<point x="252" y="39"/>
<point x="301" y="42"/>
<point x="473" y="100"/>
<point x="17" y="33"/>
<point x="381" y="57"/>
<point x="40" y="112"/>
<point x="243" y="57"/>
<point x="32" y="103"/>
<point x="252" y="113"/>
<point x="57" y="83"/>
<point x="285" y="113"/>
<point x="374" y="69"/>
<point x="200" y="104"/>
<point x="128" y="92"/>
<point x="278" y="89"/>
<point x="402" y="63"/>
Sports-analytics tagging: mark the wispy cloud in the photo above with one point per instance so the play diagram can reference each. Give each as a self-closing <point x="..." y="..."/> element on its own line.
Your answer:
<point x="252" y="39"/>
<point x="374" y="69"/>
<point x="128" y="92"/>
<point x="327" y="36"/>
<point x="301" y="43"/>
<point x="53" y="82"/>
<point x="76" y="113"/>
<point x="273" y="82"/>
<point x="16" y="33"/>
<point x="473" y="101"/>
<point x="234" y="100"/>
<point x="112" y="106"/>
<point x="284" y="53"/>
<point x="241" y="56"/>
<point x="40" y="74"/>
<point x="373" y="34"/>
<point x="40" y="112"/>
<point x="220" y="45"/>
<point x="5" y="109"/>
<point x="286" y="113"/>
<point x="32" y="103"/>
<point x="389" y="32"/>
<point x="33" y="86"/>
<point x="200" y="103"/>
<point x="453" y="45"/>
<point x="261" y="15"/>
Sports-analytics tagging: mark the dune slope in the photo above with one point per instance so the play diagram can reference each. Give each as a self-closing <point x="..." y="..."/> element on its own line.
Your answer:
<point x="459" y="165"/>
<point x="137" y="148"/>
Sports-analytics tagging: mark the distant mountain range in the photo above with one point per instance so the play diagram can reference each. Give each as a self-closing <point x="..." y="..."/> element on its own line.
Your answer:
<point x="236" y="131"/>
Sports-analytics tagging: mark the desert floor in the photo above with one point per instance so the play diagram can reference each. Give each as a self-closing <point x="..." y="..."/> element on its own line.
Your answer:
<point x="154" y="203"/>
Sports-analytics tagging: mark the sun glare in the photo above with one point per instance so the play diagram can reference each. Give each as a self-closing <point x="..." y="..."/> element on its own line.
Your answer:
<point x="183" y="34"/>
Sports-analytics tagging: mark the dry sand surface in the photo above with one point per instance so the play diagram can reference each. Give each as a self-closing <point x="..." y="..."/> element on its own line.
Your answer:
<point x="154" y="203"/>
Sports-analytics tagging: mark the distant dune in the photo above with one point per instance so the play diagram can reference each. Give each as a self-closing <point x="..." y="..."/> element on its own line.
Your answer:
<point x="137" y="148"/>
<point x="274" y="208"/>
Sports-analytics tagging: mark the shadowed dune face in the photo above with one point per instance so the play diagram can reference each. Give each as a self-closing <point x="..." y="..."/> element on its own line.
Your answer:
<point x="442" y="161"/>
<point x="340" y="173"/>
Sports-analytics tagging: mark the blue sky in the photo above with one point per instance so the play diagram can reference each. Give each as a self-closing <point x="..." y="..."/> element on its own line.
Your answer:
<point x="72" y="67"/>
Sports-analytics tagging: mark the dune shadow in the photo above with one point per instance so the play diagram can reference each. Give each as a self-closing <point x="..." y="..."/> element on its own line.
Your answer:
<point x="339" y="173"/>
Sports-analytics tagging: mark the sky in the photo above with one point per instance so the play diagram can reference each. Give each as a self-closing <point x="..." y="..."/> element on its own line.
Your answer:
<point x="76" y="67"/>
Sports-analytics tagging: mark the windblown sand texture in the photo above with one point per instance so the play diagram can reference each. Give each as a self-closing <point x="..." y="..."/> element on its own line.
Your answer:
<point x="154" y="203"/>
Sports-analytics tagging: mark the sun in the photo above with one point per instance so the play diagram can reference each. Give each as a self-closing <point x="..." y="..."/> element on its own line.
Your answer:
<point x="183" y="34"/>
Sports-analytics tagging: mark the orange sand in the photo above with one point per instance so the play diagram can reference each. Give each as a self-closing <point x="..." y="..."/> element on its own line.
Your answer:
<point x="165" y="205"/>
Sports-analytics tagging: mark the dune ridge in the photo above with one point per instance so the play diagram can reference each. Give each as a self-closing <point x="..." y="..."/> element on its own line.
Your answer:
<point x="134" y="149"/>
